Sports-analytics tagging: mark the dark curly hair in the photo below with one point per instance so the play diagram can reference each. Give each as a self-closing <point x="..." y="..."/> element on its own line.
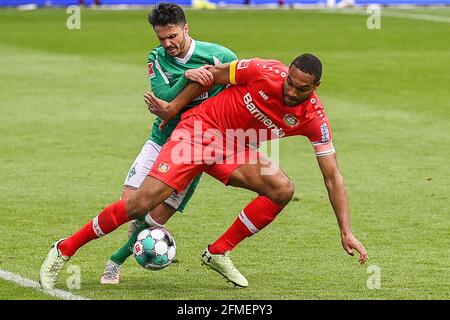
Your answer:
<point x="166" y="13"/>
<point x="310" y="64"/>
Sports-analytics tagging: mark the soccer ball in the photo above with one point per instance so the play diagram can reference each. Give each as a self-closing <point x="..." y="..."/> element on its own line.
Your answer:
<point x="154" y="248"/>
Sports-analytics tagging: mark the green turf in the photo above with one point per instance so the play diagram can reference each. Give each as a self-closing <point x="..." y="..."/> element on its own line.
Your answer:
<point x="13" y="291"/>
<point x="72" y="120"/>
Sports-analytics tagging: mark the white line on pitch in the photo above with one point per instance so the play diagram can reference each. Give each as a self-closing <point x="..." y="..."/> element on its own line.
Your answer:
<point x="28" y="283"/>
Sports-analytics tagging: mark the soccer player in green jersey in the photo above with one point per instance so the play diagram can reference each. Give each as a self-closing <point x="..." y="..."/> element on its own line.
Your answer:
<point x="171" y="66"/>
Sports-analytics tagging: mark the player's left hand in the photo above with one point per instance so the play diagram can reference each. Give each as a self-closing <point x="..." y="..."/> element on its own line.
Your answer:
<point x="350" y="243"/>
<point x="159" y="108"/>
<point x="200" y="75"/>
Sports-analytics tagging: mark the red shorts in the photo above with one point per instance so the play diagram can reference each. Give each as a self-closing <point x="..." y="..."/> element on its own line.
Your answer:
<point x="195" y="146"/>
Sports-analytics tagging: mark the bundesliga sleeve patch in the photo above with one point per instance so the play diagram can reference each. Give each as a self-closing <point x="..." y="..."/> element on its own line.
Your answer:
<point x="151" y="73"/>
<point x="325" y="132"/>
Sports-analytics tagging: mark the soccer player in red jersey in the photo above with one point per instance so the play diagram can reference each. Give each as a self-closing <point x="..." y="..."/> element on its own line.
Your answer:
<point x="265" y="98"/>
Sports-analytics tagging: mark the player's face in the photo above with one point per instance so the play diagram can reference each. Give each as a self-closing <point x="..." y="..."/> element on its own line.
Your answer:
<point x="298" y="86"/>
<point x="174" y="39"/>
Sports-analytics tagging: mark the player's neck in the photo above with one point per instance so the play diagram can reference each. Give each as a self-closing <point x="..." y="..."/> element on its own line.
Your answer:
<point x="186" y="48"/>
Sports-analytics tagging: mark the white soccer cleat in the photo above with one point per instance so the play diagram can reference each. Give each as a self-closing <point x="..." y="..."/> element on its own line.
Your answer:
<point x="52" y="266"/>
<point x="222" y="263"/>
<point x="111" y="274"/>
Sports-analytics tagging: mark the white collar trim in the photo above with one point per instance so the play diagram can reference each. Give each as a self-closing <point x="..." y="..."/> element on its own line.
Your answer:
<point x="188" y="55"/>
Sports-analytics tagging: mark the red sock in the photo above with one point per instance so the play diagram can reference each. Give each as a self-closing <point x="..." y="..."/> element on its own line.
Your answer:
<point x="106" y="221"/>
<point x="255" y="216"/>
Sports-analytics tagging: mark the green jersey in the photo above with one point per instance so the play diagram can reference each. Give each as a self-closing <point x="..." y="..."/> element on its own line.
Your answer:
<point x="167" y="80"/>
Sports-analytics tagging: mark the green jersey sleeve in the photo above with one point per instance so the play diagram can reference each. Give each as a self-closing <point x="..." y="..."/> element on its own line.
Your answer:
<point x="159" y="82"/>
<point x="228" y="55"/>
<point x="167" y="80"/>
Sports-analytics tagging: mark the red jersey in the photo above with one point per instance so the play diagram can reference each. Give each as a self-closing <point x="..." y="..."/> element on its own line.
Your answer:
<point x="255" y="101"/>
<point x="253" y="104"/>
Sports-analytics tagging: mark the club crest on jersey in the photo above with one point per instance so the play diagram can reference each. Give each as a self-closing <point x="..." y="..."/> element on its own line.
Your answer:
<point x="291" y="121"/>
<point x="163" y="167"/>
<point x="243" y="64"/>
<point x="151" y="73"/>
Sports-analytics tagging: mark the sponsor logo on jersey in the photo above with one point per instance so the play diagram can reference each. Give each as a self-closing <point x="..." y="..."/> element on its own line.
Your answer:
<point x="260" y="116"/>
<point x="202" y="97"/>
<point x="263" y="95"/>
<point x="243" y="64"/>
<point x="325" y="132"/>
<point x="151" y="73"/>
<point x="291" y="121"/>
<point x="163" y="167"/>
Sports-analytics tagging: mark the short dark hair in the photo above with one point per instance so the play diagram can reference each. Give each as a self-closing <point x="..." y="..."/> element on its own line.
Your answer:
<point x="166" y="13"/>
<point x="310" y="64"/>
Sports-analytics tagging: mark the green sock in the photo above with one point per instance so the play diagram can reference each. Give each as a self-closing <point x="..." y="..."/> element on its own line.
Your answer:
<point x="126" y="250"/>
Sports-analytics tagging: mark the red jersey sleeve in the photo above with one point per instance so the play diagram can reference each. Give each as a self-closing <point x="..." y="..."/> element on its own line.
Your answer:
<point x="320" y="137"/>
<point x="243" y="71"/>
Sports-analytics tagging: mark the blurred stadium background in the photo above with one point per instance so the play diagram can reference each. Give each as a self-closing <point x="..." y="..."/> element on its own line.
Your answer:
<point x="224" y="3"/>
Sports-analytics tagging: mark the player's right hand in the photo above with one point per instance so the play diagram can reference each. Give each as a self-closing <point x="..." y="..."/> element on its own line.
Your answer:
<point x="200" y="75"/>
<point x="350" y="243"/>
<point x="159" y="108"/>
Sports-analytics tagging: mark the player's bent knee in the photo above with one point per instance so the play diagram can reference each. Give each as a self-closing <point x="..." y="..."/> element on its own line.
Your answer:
<point x="143" y="207"/>
<point x="137" y="206"/>
<point x="283" y="193"/>
<point x="287" y="191"/>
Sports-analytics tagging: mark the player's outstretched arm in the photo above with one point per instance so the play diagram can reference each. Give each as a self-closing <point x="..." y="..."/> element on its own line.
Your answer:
<point x="339" y="200"/>
<point x="221" y="73"/>
<point x="167" y="111"/>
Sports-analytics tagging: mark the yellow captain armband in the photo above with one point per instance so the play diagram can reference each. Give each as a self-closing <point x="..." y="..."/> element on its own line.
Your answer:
<point x="233" y="71"/>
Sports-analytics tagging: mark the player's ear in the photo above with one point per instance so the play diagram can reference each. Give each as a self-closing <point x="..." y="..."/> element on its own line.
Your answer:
<point x="186" y="28"/>
<point x="318" y="84"/>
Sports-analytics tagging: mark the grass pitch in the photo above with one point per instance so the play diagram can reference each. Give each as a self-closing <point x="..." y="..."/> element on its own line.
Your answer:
<point x="72" y="120"/>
